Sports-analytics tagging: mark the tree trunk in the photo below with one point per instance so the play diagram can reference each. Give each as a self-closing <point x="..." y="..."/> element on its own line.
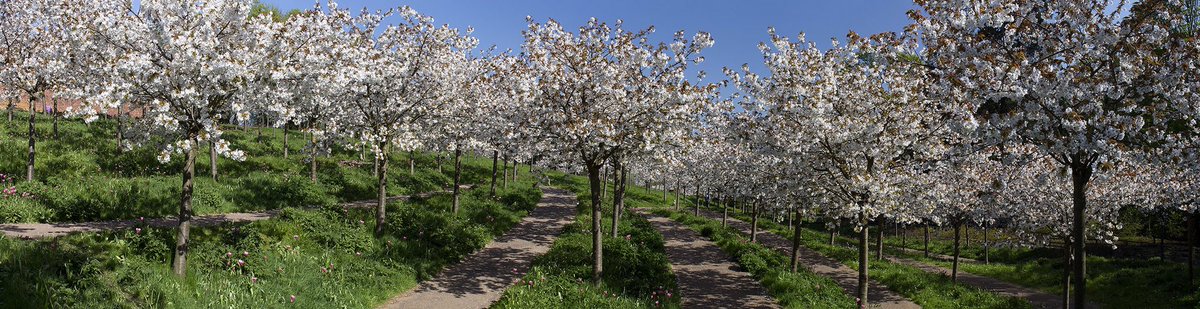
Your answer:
<point x="618" y="194"/>
<point x="1066" y="273"/>
<point x="725" y="214"/>
<point x="957" y="237"/>
<point x="879" y="242"/>
<point x="381" y="171"/>
<point x="754" y="221"/>
<point x="11" y="105"/>
<point x="796" y="239"/>
<point x="1081" y="173"/>
<point x="594" y="182"/>
<point x="120" y="130"/>
<point x="285" y="141"/>
<point x="505" y="174"/>
<point x="676" y="191"/>
<point x="179" y="260"/>
<point x="495" y="163"/>
<point x="457" y="178"/>
<point x="966" y="235"/>
<point x="212" y="157"/>
<point x="986" y="245"/>
<point x="375" y="165"/>
<point x="516" y="170"/>
<point x="606" y="173"/>
<point x="1191" y="248"/>
<point x="55" y="113"/>
<point x="412" y="162"/>
<point x="863" y="240"/>
<point x="438" y="161"/>
<point x="927" y="240"/>
<point x="312" y="157"/>
<point x="833" y="236"/>
<point x="32" y="139"/>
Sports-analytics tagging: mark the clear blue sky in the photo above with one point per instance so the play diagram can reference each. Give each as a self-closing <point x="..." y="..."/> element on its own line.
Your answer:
<point x="737" y="26"/>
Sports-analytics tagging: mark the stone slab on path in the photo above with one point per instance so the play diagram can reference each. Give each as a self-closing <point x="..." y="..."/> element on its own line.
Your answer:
<point x="481" y="278"/>
<point x="707" y="277"/>
<point x="878" y="295"/>
<point x="50" y="230"/>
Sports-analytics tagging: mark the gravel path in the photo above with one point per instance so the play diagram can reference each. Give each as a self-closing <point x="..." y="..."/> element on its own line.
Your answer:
<point x="481" y="278"/>
<point x="879" y="295"/>
<point x="707" y="277"/>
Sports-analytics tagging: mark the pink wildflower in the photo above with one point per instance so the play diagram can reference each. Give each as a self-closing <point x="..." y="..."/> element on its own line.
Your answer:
<point x="137" y="231"/>
<point x="241" y="263"/>
<point x="292" y="298"/>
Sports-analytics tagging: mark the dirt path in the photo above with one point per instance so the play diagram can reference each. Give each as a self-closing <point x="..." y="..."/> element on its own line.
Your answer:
<point x="879" y="296"/>
<point x="707" y="277"/>
<point x="481" y="278"/>
<point x="49" y="230"/>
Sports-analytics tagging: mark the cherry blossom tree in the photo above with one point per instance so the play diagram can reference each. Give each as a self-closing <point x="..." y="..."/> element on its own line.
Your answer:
<point x="185" y="62"/>
<point x="36" y="51"/>
<point x="1078" y="80"/>
<point x="589" y="94"/>
<point x="394" y="81"/>
<point x="857" y="114"/>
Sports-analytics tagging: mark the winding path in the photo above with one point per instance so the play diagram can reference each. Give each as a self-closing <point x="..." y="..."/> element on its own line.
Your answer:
<point x="879" y="296"/>
<point x="707" y="277"/>
<point x="480" y="279"/>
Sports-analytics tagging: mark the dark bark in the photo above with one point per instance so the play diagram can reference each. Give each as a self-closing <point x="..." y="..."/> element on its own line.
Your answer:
<point x="412" y="162"/>
<point x="457" y="178"/>
<point x="120" y="130"/>
<point x="863" y="240"/>
<point x="594" y="182"/>
<point x="495" y="163"/>
<point x="285" y="141"/>
<point x="381" y="207"/>
<point x="927" y="240"/>
<point x="1081" y="174"/>
<point x="796" y="238"/>
<point x="32" y="139"/>
<point x="754" y="222"/>
<point x="179" y="259"/>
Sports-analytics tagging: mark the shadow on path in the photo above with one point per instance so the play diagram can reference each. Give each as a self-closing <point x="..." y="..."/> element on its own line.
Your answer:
<point x="878" y="295"/>
<point x="707" y="277"/>
<point x="481" y="278"/>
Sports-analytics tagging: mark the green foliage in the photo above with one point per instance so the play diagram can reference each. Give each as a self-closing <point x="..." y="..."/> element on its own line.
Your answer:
<point x="326" y="258"/>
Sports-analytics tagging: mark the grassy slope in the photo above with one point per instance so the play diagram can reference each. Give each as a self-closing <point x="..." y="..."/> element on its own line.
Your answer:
<point x="81" y="176"/>
<point x="325" y="257"/>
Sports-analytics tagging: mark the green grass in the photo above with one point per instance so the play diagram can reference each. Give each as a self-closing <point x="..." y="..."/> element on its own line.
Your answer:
<point x="801" y="289"/>
<point x="325" y="258"/>
<point x="636" y="271"/>
<point x="926" y="289"/>
<point x="82" y="177"/>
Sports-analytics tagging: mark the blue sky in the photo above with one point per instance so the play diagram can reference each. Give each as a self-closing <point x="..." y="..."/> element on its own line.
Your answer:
<point x="737" y="26"/>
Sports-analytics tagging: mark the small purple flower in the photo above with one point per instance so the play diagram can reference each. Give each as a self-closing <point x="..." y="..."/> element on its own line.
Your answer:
<point x="241" y="263"/>
<point x="253" y="279"/>
<point x="137" y="231"/>
<point x="292" y="298"/>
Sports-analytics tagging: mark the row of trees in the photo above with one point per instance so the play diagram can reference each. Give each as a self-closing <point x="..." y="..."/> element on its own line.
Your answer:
<point x="1048" y="116"/>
